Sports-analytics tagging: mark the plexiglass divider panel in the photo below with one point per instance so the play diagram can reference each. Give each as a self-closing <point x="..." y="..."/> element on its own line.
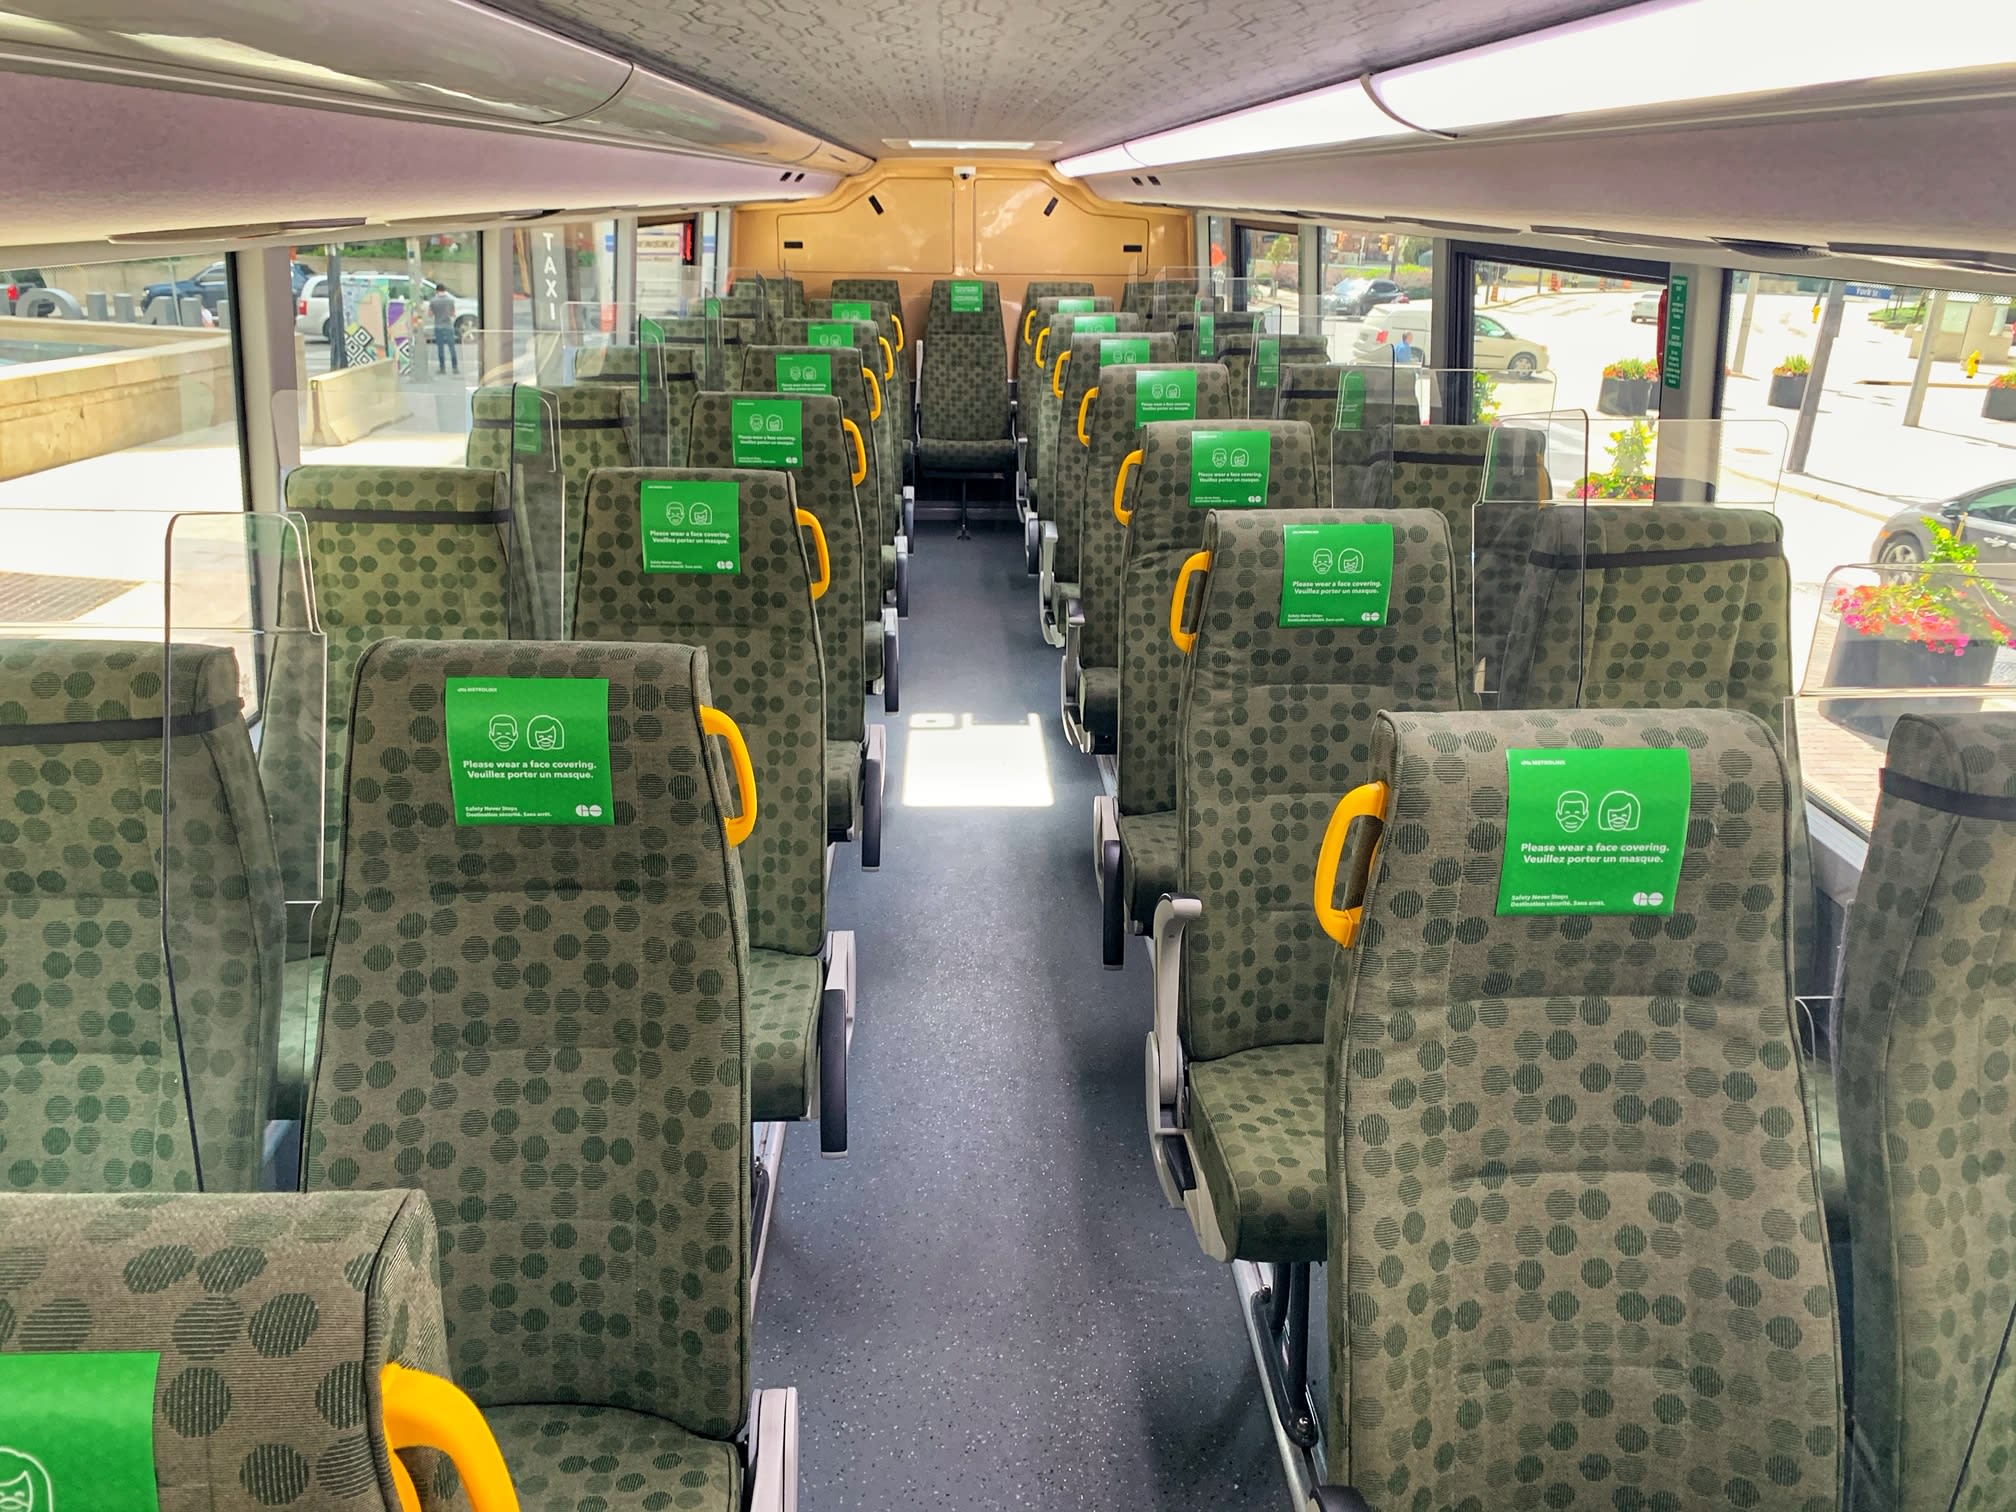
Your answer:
<point x="1528" y="554"/>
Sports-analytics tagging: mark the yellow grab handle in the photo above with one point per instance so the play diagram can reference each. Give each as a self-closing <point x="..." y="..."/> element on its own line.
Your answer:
<point x="898" y="319"/>
<point x="1057" y="374"/>
<point x="1120" y="511"/>
<point x="1084" y="406"/>
<point x="860" y="451"/>
<point x="1041" y="337"/>
<point x="714" y="722"/>
<point x="1362" y="802"/>
<point x="888" y="357"/>
<point x="874" y="392"/>
<point x="1028" y="320"/>
<point x="809" y="521"/>
<point x="1196" y="562"/>
<point x="423" y="1411"/>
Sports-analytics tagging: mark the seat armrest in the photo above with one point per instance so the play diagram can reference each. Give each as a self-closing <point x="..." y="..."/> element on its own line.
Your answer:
<point x="1173" y="915"/>
<point x="1074" y="630"/>
<point x="773" y="1450"/>
<point x="1338" y="1499"/>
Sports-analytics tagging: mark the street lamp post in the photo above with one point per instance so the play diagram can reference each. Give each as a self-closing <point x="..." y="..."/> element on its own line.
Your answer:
<point x="1823" y="348"/>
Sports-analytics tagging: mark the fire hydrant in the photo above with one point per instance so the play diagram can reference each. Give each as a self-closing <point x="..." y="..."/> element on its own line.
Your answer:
<point x="1973" y="363"/>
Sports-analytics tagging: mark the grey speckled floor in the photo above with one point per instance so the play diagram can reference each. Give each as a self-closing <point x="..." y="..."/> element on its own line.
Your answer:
<point x="987" y="1306"/>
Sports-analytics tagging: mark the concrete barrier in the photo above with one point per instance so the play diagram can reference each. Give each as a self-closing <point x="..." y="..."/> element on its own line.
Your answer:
<point x="350" y="403"/>
<point x="157" y="384"/>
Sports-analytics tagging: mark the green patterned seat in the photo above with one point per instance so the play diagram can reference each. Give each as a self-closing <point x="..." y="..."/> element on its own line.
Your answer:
<point x="962" y="392"/>
<point x="874" y="507"/>
<point x="1584" y="1265"/>
<point x="1165" y="530"/>
<point x="1039" y="303"/>
<point x="822" y="487"/>
<point x="1626" y="607"/>
<point x="882" y="495"/>
<point x="274" y="1317"/>
<point x="1263" y="397"/>
<point x="1277" y="721"/>
<point x="884" y="297"/>
<point x="1928" y="1122"/>
<point x="536" y="491"/>
<point x="1360" y="476"/>
<point x="1308" y="393"/>
<point x="1044" y="422"/>
<point x="1235" y="339"/>
<point x="1438" y="467"/>
<point x="544" y="1029"/>
<point x="98" y="1021"/>
<point x="761" y="636"/>
<point x="672" y="381"/>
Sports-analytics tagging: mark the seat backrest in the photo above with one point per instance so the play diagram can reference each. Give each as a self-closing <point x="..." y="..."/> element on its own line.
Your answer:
<point x="1034" y="313"/>
<point x="758" y="627"/>
<point x="525" y="448"/>
<point x="749" y="304"/>
<point x="561" y="1064"/>
<point x="892" y="366"/>
<point x="820" y="481"/>
<point x="260" y="1327"/>
<point x="1668" y="606"/>
<point x="1054" y="340"/>
<point x="1308" y="393"/>
<point x="1276" y="721"/>
<point x="1130" y="396"/>
<point x="1196" y="339"/>
<point x="431" y="553"/>
<point x="772" y="368"/>
<point x="1164" y="530"/>
<point x="1572" y="1146"/>
<point x="964" y="383"/>
<point x="1029" y="376"/>
<point x="1271" y="358"/>
<point x="884" y="430"/>
<point x="1927" y="1128"/>
<point x="142" y="928"/>
<point x="1438" y="467"/>
<point x="1090" y="356"/>
<point x="651" y="443"/>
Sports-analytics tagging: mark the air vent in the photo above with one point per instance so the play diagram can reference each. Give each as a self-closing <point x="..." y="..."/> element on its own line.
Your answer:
<point x="1769" y="251"/>
<point x="1047" y="209"/>
<point x="794" y="246"/>
<point x="876" y="205"/>
<point x="1132" y="247"/>
<point x="1155" y="181"/>
<point x="784" y="177"/>
<point x="1137" y="179"/>
<point x="798" y="178"/>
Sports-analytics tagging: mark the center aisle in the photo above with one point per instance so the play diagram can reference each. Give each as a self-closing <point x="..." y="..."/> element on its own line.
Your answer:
<point x="986" y="1305"/>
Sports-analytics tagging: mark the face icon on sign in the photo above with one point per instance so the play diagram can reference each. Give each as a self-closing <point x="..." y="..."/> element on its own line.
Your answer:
<point x="1571" y="810"/>
<point x="675" y="516"/>
<point x="774" y="425"/>
<point x="547" y="734"/>
<point x="1618" y="812"/>
<point x="1218" y="456"/>
<point x="1239" y="457"/>
<point x="1323" y="560"/>
<point x="702" y="515"/>
<point x="755" y="422"/>
<point x="24" y="1483"/>
<point x="503" y="731"/>
<point x="1351" y="561"/>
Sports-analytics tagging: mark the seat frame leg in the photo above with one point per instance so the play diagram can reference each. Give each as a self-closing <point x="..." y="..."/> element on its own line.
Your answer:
<point x="872" y="777"/>
<point x="1275" y="1303"/>
<point x="1113" y="908"/>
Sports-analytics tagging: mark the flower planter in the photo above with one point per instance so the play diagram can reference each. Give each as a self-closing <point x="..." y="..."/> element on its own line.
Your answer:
<point x="1999" y="404"/>
<point x="1863" y="661"/>
<point x="1788" y="390"/>
<point x="1626" y="396"/>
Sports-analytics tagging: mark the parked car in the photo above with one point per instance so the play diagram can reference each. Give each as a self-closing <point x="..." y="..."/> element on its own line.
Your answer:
<point x="1985" y="518"/>
<point x="311" y="306"/>
<point x="18" y="281"/>
<point x="212" y="286"/>
<point x="1645" y="308"/>
<point x="1353" y="297"/>
<point x="1492" y="345"/>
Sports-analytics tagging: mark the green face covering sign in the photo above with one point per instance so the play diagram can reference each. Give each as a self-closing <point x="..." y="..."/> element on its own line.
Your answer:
<point x="649" y="334"/>
<point x="768" y="432"/>
<point x="968" y="297"/>
<point x="1267" y="362"/>
<point x="1336" y="574"/>
<point x="690" y="526"/>
<point x="1229" y="468"/>
<point x="77" y="1431"/>
<point x="529" y="750"/>
<point x="1160" y="395"/>
<point x="527" y="420"/>
<point x="1123" y="349"/>
<point x="1207" y="335"/>
<point x="825" y="333"/>
<point x="1075" y="306"/>
<point x="1094" y="325"/>
<point x="850" y="309"/>
<point x="1351" y="402"/>
<point x="805" y="373"/>
<point x="1594" y="832"/>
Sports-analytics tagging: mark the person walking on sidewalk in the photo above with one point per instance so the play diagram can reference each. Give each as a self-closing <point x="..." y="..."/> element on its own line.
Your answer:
<point x="441" y="310"/>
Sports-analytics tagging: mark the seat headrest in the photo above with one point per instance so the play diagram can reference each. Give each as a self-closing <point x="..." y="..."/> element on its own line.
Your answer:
<point x="1163" y="511"/>
<point x="63" y="692"/>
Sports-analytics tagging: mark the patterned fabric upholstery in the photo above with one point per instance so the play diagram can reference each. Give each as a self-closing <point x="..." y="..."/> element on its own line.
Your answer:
<point x="1102" y="539"/>
<point x="843" y="788"/>
<point x="1235" y="350"/>
<point x="1585" y="1265"/>
<point x="1302" y="351"/>
<point x="1080" y="466"/>
<point x="597" y="423"/>
<point x="1361" y="476"/>
<point x="274" y="1316"/>
<point x="673" y="381"/>
<point x="1164" y="531"/>
<point x="874" y="503"/>
<point x="1043" y="441"/>
<point x="964" y="385"/>
<point x="1629" y="607"/>
<point x="1308" y="393"/>
<point x="884" y="297"/>
<point x="1276" y="723"/>
<point x="1927" y="1122"/>
<point x="881" y="504"/>
<point x="572" y="1459"/>
<point x="1151" y="857"/>
<point x="761" y="637"/>
<point x="823" y="488"/>
<point x="1439" y="467"/>
<point x="1032" y="382"/>
<point x="536" y="498"/>
<point x="542" y="1028"/>
<point x="94" y="1030"/>
<point x="716" y="346"/>
<point x="1039" y="303"/>
<point x="747" y="301"/>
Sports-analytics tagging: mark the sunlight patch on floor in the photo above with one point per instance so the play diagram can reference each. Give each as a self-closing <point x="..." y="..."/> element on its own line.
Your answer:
<point x="954" y="761"/>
